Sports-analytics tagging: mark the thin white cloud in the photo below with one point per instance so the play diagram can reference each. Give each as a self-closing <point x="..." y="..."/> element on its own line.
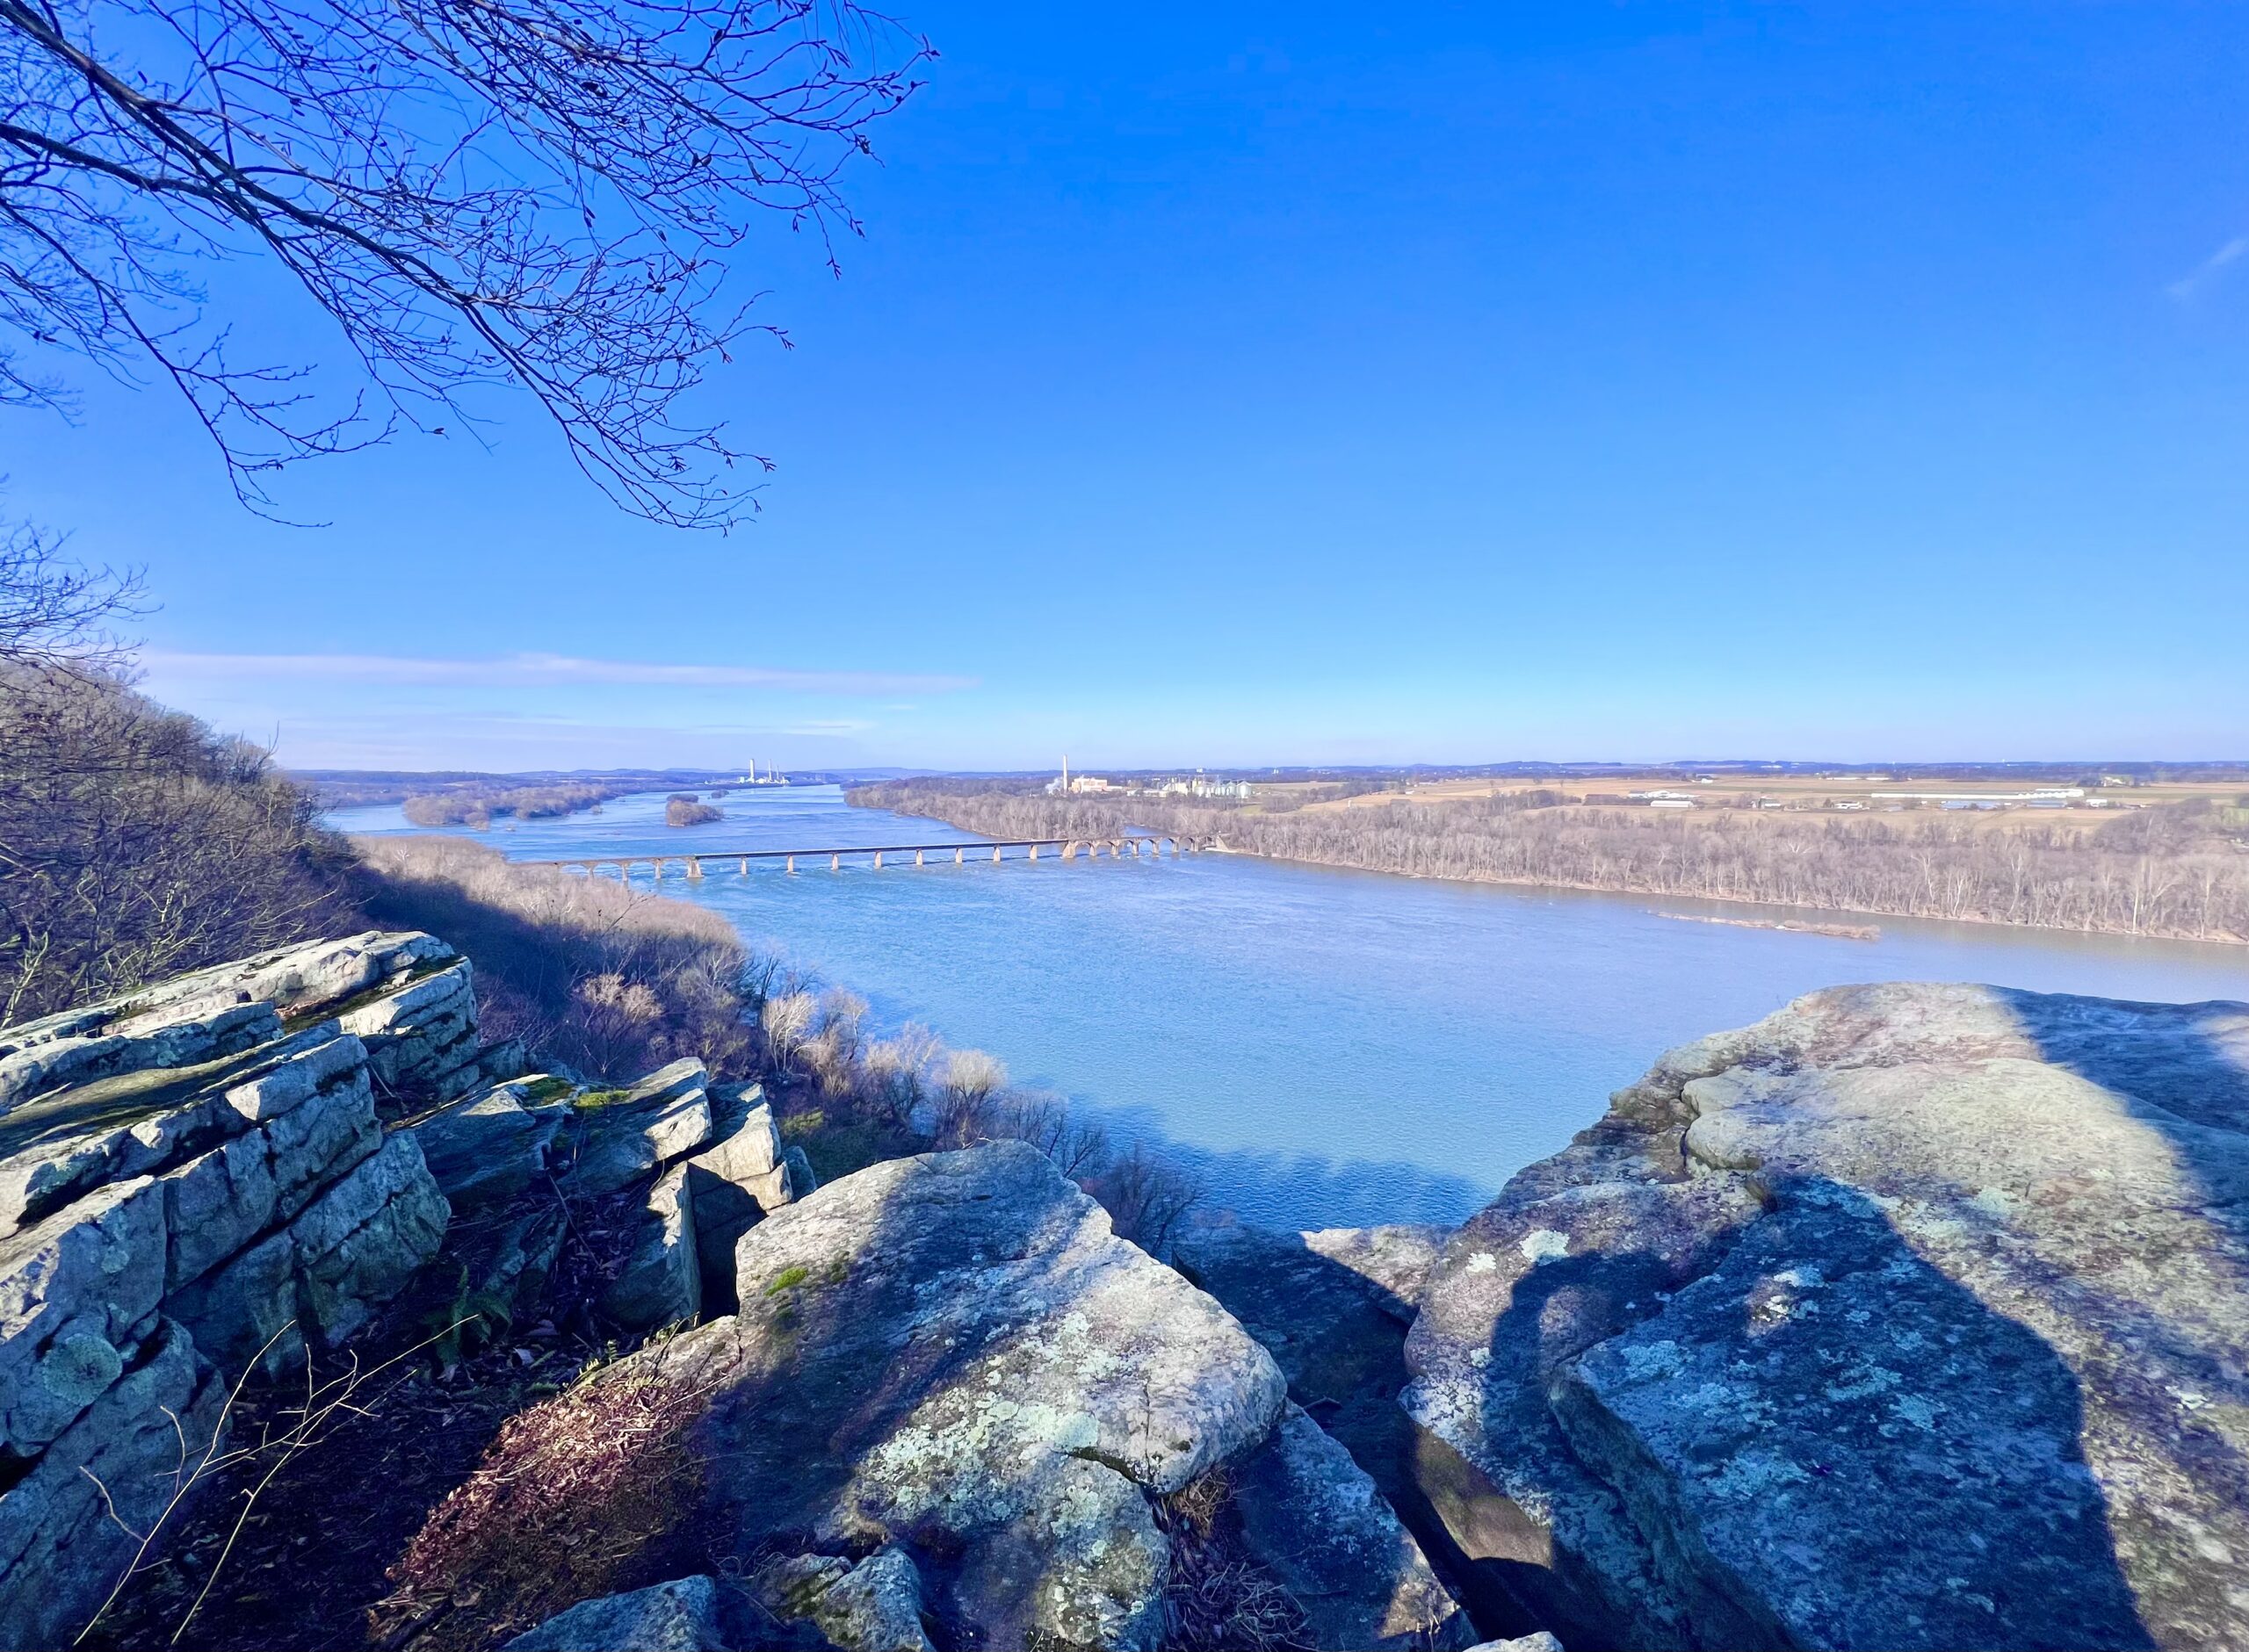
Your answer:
<point x="535" y="668"/>
<point x="2207" y="272"/>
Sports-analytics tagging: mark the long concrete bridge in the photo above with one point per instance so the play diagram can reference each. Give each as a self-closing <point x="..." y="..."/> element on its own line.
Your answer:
<point x="695" y="861"/>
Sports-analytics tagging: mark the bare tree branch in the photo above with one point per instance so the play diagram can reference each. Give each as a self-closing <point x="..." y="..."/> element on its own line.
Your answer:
<point x="543" y="193"/>
<point x="55" y="611"/>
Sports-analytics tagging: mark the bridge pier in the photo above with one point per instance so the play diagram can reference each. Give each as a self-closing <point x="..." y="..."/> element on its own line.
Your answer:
<point x="1034" y="851"/>
<point x="745" y="866"/>
<point x="792" y="865"/>
<point x="695" y="866"/>
<point x="878" y="860"/>
<point x="995" y="855"/>
<point x="918" y="860"/>
<point x="835" y="862"/>
<point x="960" y="857"/>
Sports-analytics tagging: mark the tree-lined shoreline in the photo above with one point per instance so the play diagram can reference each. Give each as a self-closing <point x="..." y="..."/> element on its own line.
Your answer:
<point x="2179" y="873"/>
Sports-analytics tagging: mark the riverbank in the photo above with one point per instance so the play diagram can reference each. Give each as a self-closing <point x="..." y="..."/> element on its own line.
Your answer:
<point x="1331" y="1048"/>
<point x="2177" y="874"/>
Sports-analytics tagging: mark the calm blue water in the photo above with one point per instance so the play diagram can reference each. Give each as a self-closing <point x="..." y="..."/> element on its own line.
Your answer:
<point x="1332" y="1048"/>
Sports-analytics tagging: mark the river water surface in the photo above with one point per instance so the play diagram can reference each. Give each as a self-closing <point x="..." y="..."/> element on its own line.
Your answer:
<point x="1330" y="1048"/>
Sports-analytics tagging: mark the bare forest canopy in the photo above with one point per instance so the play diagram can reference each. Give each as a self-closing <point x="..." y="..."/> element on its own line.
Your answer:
<point x="362" y="787"/>
<point x="359" y="787"/>
<point x="2178" y="870"/>
<point x="477" y="807"/>
<point x="135" y="843"/>
<point x="1745" y="771"/>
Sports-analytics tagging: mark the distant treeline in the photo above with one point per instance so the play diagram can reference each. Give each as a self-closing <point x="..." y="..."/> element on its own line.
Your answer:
<point x="2180" y="871"/>
<point x="351" y="788"/>
<point x="478" y="806"/>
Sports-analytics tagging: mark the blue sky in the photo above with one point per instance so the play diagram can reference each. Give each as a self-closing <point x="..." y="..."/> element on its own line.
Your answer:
<point x="1248" y="383"/>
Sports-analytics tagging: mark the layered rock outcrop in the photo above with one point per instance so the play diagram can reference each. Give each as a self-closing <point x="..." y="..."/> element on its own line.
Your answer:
<point x="1913" y="1316"/>
<point x="707" y="1159"/>
<point x="193" y="1178"/>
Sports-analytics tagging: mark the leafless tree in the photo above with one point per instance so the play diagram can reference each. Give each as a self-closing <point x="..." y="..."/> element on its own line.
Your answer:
<point x="973" y="1078"/>
<point x="1077" y="1144"/>
<point x="134" y="843"/>
<point x="897" y="1074"/>
<point x="55" y="611"/>
<point x="787" y="1020"/>
<point x="546" y="193"/>
<point x="2180" y="871"/>
<point x="1146" y="1194"/>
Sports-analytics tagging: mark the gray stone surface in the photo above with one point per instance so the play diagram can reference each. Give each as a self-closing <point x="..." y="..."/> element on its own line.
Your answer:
<point x="1313" y="1521"/>
<point x="363" y="1238"/>
<point x="613" y="1139"/>
<point x="999" y="1384"/>
<point x="487" y="1148"/>
<point x="674" y="1616"/>
<point x="801" y="1181"/>
<point x="216" y="1205"/>
<point x="1334" y="1331"/>
<point x="1910" y="1316"/>
<point x="190" y="1175"/>
<point x="1331" y="1307"/>
<point x="737" y="1180"/>
<point x="60" y="1553"/>
<point x="1396" y="1258"/>
<point x="1001" y="1389"/>
<point x="83" y="1279"/>
<point x="874" y="1606"/>
<point x="208" y="1014"/>
<point x="419" y="1034"/>
<point x="661" y="1283"/>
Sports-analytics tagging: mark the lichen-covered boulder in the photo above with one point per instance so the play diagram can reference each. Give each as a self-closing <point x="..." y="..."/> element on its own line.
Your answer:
<point x="1003" y="1384"/>
<point x="873" y="1606"/>
<point x="953" y="1358"/>
<point x="1910" y="1316"/>
<point x="681" y="1616"/>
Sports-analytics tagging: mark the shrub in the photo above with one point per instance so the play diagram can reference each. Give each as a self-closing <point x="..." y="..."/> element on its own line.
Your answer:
<point x="569" y="1499"/>
<point x="964" y="1102"/>
<point x="895" y="1075"/>
<point x="588" y="972"/>
<point x="787" y="1021"/>
<point x="1146" y="1195"/>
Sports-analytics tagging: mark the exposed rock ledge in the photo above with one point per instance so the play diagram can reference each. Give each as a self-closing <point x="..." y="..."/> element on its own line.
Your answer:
<point x="1910" y="1316"/>
<point x="952" y="1394"/>
<point x="191" y="1176"/>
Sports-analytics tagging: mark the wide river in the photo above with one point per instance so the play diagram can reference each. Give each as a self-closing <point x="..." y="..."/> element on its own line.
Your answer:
<point x="1329" y="1047"/>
